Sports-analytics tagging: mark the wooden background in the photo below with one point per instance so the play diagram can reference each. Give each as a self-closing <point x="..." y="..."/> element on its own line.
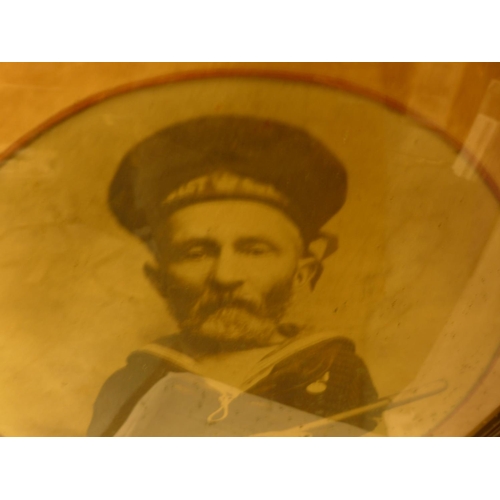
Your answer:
<point x="447" y="94"/>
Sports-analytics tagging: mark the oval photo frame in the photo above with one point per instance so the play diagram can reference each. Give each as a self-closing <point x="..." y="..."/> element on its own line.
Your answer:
<point x="410" y="285"/>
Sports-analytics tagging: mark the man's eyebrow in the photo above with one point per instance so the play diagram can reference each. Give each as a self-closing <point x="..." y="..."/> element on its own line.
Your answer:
<point x="188" y="242"/>
<point x="256" y="240"/>
<point x="178" y="249"/>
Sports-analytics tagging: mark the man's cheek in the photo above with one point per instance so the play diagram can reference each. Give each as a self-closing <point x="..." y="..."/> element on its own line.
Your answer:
<point x="267" y="275"/>
<point x="189" y="273"/>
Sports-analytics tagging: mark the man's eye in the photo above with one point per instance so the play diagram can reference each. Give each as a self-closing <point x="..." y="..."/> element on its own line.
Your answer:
<point x="257" y="249"/>
<point x="195" y="253"/>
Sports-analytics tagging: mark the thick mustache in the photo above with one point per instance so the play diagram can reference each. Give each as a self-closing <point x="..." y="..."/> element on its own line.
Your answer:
<point x="211" y="305"/>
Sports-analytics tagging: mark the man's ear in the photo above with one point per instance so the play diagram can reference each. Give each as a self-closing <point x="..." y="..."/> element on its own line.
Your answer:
<point x="308" y="272"/>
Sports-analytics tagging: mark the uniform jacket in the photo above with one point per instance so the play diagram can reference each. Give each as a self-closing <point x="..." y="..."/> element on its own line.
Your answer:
<point x="320" y="374"/>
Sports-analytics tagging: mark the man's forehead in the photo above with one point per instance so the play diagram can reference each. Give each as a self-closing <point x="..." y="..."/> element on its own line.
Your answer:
<point x="230" y="219"/>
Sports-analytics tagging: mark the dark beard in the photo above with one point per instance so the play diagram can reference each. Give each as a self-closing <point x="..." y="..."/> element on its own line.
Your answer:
<point x="228" y="319"/>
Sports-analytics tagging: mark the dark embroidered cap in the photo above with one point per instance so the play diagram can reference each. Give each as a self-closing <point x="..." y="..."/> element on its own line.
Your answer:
<point x="228" y="157"/>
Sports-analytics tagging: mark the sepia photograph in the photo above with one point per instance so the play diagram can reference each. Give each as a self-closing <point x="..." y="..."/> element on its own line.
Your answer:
<point x="247" y="253"/>
<point x="227" y="226"/>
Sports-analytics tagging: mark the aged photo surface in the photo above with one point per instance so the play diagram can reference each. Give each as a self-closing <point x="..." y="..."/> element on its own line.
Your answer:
<point x="230" y="207"/>
<point x="243" y="256"/>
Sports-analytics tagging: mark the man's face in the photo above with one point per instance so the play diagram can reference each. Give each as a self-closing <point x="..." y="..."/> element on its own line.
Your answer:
<point x="229" y="268"/>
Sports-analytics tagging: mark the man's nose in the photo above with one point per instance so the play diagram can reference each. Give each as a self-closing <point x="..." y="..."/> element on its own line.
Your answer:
<point x="227" y="272"/>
